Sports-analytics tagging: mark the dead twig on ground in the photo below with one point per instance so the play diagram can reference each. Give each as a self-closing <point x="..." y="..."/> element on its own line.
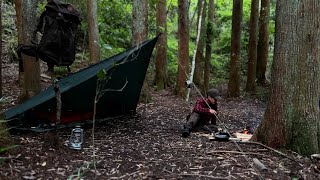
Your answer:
<point x="199" y="175"/>
<point x="123" y="176"/>
<point x="236" y="152"/>
<point x="279" y="152"/>
<point x="204" y="176"/>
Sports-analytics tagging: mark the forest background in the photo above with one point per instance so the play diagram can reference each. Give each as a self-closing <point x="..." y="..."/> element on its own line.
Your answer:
<point x="115" y="30"/>
<point x="228" y="30"/>
<point x="223" y="42"/>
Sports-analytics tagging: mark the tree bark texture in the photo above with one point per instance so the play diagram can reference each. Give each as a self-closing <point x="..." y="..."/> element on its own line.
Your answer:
<point x="253" y="40"/>
<point x="263" y="42"/>
<point x="292" y="116"/>
<point x="140" y="21"/>
<point x="140" y="34"/>
<point x="207" y="64"/>
<point x="161" y="79"/>
<point x="193" y="62"/>
<point x="19" y="25"/>
<point x="199" y="68"/>
<point x="26" y="13"/>
<point x="183" y="46"/>
<point x="94" y="45"/>
<point x="1" y="50"/>
<point x="234" y="75"/>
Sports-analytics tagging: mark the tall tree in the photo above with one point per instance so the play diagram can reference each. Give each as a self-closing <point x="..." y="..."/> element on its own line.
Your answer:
<point x="183" y="43"/>
<point x="207" y="60"/>
<point x="161" y="79"/>
<point x="193" y="62"/>
<point x="234" y="75"/>
<point x="94" y="46"/>
<point x="139" y="21"/>
<point x="263" y="42"/>
<point x="140" y="34"/>
<point x="26" y="24"/>
<point x="1" y="49"/>
<point x="19" y="25"/>
<point x="4" y="140"/>
<point x="198" y="71"/>
<point x="252" y="54"/>
<point x="292" y="116"/>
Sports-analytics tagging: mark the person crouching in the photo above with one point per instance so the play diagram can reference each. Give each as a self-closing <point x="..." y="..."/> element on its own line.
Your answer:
<point x="204" y="114"/>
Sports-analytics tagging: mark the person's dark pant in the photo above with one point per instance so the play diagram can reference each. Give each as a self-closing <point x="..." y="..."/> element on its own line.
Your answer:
<point x="192" y="120"/>
<point x="194" y="123"/>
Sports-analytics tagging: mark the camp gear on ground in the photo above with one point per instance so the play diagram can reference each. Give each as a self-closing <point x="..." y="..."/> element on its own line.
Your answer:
<point x="57" y="24"/>
<point x="221" y="136"/>
<point x="214" y="93"/>
<point x="79" y="89"/>
<point x="76" y="138"/>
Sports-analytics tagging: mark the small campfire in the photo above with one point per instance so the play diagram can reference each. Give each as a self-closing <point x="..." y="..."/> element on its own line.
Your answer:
<point x="244" y="135"/>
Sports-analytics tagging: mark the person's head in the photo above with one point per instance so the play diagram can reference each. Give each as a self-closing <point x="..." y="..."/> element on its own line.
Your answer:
<point x="213" y="95"/>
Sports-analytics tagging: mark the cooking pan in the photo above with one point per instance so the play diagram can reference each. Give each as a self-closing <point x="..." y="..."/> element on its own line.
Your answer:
<point x="221" y="136"/>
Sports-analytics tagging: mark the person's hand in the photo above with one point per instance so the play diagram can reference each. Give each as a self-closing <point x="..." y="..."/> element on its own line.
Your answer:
<point x="212" y="111"/>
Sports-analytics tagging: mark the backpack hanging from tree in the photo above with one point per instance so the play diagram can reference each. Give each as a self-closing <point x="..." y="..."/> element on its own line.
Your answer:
<point x="57" y="25"/>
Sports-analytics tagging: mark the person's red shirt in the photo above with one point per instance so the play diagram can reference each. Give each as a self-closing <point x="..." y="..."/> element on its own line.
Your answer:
<point x="201" y="107"/>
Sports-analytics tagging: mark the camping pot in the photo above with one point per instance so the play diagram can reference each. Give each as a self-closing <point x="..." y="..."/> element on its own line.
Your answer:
<point x="76" y="138"/>
<point x="221" y="136"/>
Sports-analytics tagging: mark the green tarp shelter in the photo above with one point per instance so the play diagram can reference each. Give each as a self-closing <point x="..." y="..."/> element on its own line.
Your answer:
<point x="78" y="90"/>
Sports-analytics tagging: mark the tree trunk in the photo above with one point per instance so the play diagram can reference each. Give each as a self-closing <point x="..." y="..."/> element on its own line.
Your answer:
<point x="252" y="55"/>
<point x="140" y="21"/>
<point x="94" y="46"/>
<point x="234" y="76"/>
<point x="183" y="43"/>
<point x="210" y="27"/>
<point x="1" y="51"/>
<point x="292" y="116"/>
<point x="263" y="43"/>
<point x="198" y="71"/>
<point x="19" y="25"/>
<point x="161" y="79"/>
<point x="26" y="11"/>
<point x="140" y="34"/>
<point x="195" y="50"/>
<point x="4" y="140"/>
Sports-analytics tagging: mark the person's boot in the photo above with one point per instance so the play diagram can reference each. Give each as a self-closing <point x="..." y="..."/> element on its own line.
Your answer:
<point x="186" y="132"/>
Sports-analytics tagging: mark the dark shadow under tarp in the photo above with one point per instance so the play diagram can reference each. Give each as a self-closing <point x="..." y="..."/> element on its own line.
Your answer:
<point x="78" y="91"/>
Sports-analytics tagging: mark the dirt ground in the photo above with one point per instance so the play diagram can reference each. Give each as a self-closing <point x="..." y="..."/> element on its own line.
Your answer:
<point x="148" y="145"/>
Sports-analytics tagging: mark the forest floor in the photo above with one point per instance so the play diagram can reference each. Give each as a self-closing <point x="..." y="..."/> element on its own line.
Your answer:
<point x="149" y="145"/>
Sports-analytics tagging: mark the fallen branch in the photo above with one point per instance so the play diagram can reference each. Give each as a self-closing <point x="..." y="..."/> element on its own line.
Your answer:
<point x="199" y="175"/>
<point x="259" y="150"/>
<point x="4" y="158"/>
<point x="205" y="176"/>
<point x="123" y="176"/>
<point x="279" y="152"/>
<point x="236" y="152"/>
